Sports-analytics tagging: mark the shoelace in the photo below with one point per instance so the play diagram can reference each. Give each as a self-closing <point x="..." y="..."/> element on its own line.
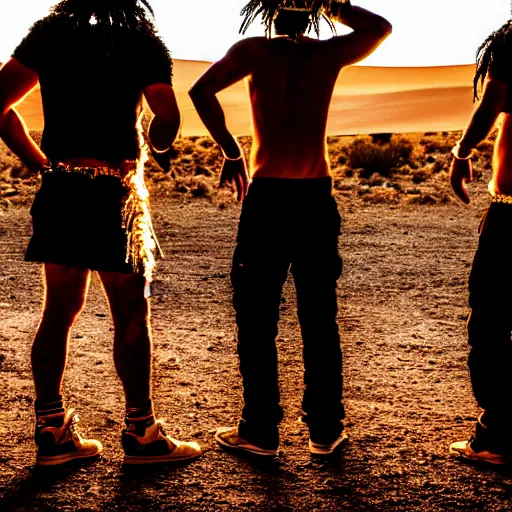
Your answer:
<point x="73" y="422"/>
<point x="161" y="422"/>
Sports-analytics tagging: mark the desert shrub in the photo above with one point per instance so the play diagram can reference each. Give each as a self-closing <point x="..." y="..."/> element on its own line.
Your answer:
<point x="202" y="171"/>
<point x="381" y="195"/>
<point x="440" y="143"/>
<point x="201" y="188"/>
<point x="375" y="180"/>
<point x="419" y="176"/>
<point x="441" y="164"/>
<point x="206" y="142"/>
<point x="384" y="159"/>
<point x="485" y="145"/>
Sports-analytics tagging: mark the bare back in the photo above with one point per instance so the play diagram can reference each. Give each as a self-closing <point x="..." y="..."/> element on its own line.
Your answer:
<point x="502" y="159"/>
<point x="290" y="91"/>
<point x="290" y="88"/>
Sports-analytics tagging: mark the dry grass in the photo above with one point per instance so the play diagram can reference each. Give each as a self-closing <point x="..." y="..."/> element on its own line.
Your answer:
<point x="410" y="168"/>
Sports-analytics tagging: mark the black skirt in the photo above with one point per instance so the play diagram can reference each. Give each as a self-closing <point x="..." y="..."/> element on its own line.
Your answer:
<point x="78" y="222"/>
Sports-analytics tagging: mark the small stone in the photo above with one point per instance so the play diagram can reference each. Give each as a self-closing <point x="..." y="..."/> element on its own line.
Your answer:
<point x="10" y="192"/>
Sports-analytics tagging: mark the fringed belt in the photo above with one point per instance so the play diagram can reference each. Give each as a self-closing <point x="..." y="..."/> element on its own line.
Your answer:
<point x="501" y="198"/>
<point x="60" y="168"/>
<point x="142" y="246"/>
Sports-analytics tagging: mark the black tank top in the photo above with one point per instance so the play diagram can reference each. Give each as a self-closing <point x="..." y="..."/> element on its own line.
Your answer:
<point x="91" y="81"/>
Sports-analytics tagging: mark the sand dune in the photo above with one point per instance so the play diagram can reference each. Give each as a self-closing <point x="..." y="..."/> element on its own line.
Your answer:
<point x="366" y="100"/>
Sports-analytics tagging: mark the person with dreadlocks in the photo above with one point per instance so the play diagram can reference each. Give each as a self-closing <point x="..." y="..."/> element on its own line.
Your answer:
<point x="94" y="60"/>
<point x="490" y="320"/>
<point x="289" y="217"/>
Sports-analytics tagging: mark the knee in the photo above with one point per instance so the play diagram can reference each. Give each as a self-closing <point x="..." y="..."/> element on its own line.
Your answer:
<point x="132" y="326"/>
<point x="63" y="310"/>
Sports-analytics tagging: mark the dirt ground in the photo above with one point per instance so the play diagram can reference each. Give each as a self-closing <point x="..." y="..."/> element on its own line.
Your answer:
<point x="402" y="302"/>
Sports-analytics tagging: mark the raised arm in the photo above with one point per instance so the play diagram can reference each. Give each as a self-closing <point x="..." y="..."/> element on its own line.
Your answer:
<point x="479" y="125"/>
<point x="369" y="31"/>
<point x="236" y="65"/>
<point x="16" y="82"/>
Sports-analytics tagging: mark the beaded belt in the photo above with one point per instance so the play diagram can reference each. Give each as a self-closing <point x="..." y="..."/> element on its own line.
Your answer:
<point x="501" y="198"/>
<point x="61" y="168"/>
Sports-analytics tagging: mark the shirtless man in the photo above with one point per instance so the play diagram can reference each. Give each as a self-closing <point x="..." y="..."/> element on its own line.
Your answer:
<point x="289" y="217"/>
<point x="490" y="282"/>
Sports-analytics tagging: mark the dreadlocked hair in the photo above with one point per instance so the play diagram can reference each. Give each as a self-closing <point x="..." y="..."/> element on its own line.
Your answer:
<point x="487" y="51"/>
<point x="129" y="14"/>
<point x="268" y="10"/>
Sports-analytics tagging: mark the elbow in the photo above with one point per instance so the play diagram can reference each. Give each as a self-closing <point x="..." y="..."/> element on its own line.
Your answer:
<point x="199" y="92"/>
<point x="384" y="28"/>
<point x="4" y="109"/>
<point x="4" y="116"/>
<point x="194" y="92"/>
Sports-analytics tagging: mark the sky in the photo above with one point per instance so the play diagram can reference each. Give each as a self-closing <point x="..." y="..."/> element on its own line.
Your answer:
<point x="425" y="32"/>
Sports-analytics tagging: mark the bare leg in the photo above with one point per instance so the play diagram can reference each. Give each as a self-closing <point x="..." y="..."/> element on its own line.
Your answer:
<point x="132" y="340"/>
<point x="65" y="292"/>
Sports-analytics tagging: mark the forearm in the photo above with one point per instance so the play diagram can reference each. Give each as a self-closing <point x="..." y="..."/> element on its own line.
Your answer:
<point x="15" y="135"/>
<point x="210" y="111"/>
<point x="162" y="132"/>
<point x="478" y="127"/>
<point x="356" y="18"/>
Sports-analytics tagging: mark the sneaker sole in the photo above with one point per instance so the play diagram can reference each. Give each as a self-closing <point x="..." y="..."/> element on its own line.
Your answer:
<point x="318" y="450"/>
<point x="491" y="458"/>
<point x="253" y="450"/>
<point x="57" y="460"/>
<point x="133" y="460"/>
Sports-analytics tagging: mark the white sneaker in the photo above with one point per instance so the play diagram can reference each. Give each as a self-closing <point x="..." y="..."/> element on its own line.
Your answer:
<point x="464" y="450"/>
<point x="59" y="441"/>
<point x="147" y="443"/>
<point x="321" y="450"/>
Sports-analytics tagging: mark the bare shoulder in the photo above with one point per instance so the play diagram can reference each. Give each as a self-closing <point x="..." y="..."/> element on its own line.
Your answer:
<point x="249" y="47"/>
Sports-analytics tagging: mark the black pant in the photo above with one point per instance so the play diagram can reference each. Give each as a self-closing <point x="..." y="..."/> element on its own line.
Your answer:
<point x="288" y="222"/>
<point x="490" y="323"/>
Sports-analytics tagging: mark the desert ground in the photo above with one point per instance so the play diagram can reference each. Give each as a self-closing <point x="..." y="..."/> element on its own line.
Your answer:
<point x="407" y="249"/>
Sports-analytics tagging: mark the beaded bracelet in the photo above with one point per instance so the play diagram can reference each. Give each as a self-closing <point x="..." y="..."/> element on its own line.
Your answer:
<point x="233" y="159"/>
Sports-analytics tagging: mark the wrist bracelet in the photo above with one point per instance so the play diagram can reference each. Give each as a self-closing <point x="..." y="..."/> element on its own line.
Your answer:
<point x="455" y="153"/>
<point x="233" y="159"/>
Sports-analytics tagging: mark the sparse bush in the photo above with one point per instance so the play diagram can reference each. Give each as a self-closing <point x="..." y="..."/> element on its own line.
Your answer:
<point x="201" y="188"/>
<point x="206" y="143"/>
<point x="485" y="145"/>
<point x="373" y="158"/>
<point x="440" y="165"/>
<point x="419" y="176"/>
<point x="381" y="195"/>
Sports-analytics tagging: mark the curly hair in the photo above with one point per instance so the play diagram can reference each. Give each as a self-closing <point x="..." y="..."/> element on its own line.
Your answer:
<point x="487" y="52"/>
<point x="268" y="10"/>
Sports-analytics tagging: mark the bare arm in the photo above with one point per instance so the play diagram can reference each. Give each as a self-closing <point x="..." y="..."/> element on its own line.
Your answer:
<point x="479" y="125"/>
<point x="14" y="133"/>
<point x="369" y="31"/>
<point x="16" y="82"/>
<point x="236" y="65"/>
<point x="165" y="124"/>
<point x="484" y="116"/>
